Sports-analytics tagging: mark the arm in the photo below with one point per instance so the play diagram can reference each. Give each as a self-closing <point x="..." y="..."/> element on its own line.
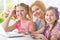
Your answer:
<point x="39" y="31"/>
<point x="6" y="23"/>
<point x="56" y="34"/>
<point x="32" y="27"/>
<point x="40" y="36"/>
<point x="9" y="28"/>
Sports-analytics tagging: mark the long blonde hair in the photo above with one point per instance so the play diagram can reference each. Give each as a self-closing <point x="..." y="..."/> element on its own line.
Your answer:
<point x="26" y="7"/>
<point x="40" y="4"/>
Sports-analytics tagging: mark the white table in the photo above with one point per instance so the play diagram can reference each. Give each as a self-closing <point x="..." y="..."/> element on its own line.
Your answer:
<point x="27" y="37"/>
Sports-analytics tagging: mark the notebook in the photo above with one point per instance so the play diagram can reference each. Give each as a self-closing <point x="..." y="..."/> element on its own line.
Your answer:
<point x="10" y="34"/>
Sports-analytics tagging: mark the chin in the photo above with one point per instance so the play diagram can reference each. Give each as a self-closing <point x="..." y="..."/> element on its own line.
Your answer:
<point x="49" y="22"/>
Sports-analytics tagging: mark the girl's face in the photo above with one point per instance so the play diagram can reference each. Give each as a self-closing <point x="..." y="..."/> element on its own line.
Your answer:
<point x="37" y="12"/>
<point x="50" y="16"/>
<point x="21" y="12"/>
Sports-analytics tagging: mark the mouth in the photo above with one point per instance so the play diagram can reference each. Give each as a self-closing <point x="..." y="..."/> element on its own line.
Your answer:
<point x="21" y="14"/>
<point x="49" y="21"/>
<point x="37" y="14"/>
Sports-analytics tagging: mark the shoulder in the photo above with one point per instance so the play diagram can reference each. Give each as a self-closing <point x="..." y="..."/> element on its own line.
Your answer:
<point x="31" y="22"/>
<point x="18" y="22"/>
<point x="57" y="27"/>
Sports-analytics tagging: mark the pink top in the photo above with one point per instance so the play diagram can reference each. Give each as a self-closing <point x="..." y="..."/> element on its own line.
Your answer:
<point x="52" y="32"/>
<point x="18" y="25"/>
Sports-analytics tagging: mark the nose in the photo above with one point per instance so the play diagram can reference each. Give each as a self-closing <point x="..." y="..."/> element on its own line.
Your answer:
<point x="36" y="12"/>
<point x="20" y="13"/>
<point x="48" y="17"/>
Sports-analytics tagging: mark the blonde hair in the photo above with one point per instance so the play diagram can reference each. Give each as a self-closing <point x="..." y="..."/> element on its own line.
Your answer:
<point x="40" y="4"/>
<point x="25" y="6"/>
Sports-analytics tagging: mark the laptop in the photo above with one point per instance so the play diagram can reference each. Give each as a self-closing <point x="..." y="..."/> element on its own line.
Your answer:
<point x="13" y="34"/>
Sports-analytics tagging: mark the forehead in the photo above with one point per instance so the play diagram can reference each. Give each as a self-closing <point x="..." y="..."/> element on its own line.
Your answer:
<point x="50" y="11"/>
<point x="20" y="7"/>
<point x="34" y="7"/>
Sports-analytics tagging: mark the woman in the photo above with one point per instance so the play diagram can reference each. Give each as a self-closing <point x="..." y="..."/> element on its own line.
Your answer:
<point x="23" y="24"/>
<point x="38" y="10"/>
<point x="51" y="31"/>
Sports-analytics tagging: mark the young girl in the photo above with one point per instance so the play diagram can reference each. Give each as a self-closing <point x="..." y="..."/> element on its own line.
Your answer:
<point x="51" y="31"/>
<point x="23" y="24"/>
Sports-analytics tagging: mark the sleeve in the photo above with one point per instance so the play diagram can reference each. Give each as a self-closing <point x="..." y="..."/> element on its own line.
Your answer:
<point x="56" y="32"/>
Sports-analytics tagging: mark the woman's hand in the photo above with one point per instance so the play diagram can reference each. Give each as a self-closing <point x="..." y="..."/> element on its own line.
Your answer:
<point x="39" y="36"/>
<point x="37" y="32"/>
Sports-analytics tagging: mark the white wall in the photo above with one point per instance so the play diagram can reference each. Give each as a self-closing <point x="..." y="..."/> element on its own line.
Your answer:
<point x="48" y="3"/>
<point x="55" y="3"/>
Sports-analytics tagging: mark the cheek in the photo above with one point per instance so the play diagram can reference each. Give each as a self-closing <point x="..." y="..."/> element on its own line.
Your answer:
<point x="54" y="18"/>
<point x="46" y="17"/>
<point x="17" y="15"/>
<point x="24" y="14"/>
<point x="34" y="13"/>
<point x="41" y="13"/>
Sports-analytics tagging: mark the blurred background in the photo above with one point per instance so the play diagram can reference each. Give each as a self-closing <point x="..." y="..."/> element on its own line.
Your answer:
<point x="7" y="5"/>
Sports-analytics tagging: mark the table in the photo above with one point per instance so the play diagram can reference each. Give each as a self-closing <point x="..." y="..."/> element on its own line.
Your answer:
<point x="27" y="37"/>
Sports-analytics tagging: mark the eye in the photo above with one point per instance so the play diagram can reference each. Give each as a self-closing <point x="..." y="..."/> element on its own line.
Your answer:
<point x="17" y="10"/>
<point x="22" y="10"/>
<point x="37" y="9"/>
<point x="46" y="15"/>
<point x="52" y="15"/>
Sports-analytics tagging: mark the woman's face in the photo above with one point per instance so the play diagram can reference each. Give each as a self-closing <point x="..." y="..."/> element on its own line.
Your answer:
<point x="37" y="12"/>
<point x="50" y="17"/>
<point x="21" y="12"/>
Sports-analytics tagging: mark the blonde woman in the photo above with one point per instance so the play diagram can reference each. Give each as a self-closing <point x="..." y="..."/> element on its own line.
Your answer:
<point x="37" y="10"/>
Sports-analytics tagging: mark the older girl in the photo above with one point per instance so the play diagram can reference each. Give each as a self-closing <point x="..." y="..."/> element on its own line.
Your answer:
<point x="23" y="24"/>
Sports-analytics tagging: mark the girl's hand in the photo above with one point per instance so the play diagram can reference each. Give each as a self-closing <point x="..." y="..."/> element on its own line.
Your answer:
<point x="12" y="12"/>
<point x="56" y="33"/>
<point x="23" y="31"/>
